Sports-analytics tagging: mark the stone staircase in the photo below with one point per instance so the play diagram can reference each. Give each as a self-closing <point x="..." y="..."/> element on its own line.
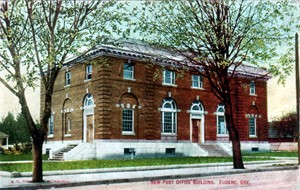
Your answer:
<point x="59" y="155"/>
<point x="214" y="150"/>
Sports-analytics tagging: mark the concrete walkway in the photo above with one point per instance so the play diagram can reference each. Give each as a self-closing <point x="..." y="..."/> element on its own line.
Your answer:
<point x="55" y="179"/>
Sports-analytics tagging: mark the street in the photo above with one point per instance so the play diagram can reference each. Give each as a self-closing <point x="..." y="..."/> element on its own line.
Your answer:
<point x="285" y="179"/>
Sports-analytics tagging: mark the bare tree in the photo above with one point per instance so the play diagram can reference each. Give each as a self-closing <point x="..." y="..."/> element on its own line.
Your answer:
<point x="36" y="39"/>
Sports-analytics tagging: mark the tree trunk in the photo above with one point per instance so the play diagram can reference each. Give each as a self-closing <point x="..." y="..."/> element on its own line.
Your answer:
<point x="37" y="175"/>
<point x="236" y="153"/>
<point x="233" y="134"/>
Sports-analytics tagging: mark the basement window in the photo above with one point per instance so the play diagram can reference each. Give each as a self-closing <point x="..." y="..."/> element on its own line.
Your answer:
<point x="254" y="149"/>
<point x="129" y="151"/>
<point x="170" y="151"/>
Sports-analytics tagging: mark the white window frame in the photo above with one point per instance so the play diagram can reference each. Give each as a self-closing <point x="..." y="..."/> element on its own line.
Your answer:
<point x="128" y="132"/>
<point x="172" y="77"/>
<point x="220" y="114"/>
<point x="198" y="79"/>
<point x="173" y="111"/>
<point x="250" y="126"/>
<point x="89" y="101"/>
<point x="128" y="70"/>
<point x="252" y="88"/>
<point x="67" y="78"/>
<point x="88" y="72"/>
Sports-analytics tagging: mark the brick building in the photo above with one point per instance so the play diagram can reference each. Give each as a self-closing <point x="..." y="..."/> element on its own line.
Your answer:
<point x="115" y="102"/>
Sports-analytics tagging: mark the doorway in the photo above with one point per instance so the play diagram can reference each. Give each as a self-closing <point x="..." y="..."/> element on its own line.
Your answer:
<point x="196" y="133"/>
<point x="89" y="129"/>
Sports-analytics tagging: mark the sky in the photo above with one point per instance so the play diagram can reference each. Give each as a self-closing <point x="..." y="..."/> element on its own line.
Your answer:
<point x="281" y="98"/>
<point x="9" y="102"/>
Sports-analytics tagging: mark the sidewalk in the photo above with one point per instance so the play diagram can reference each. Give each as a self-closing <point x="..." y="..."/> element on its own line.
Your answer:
<point x="134" y="174"/>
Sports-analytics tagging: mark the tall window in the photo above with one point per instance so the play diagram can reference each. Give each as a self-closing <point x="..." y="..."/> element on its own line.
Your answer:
<point x="67" y="124"/>
<point x="169" y="77"/>
<point x="128" y="71"/>
<point x="252" y="88"/>
<point x="197" y="81"/>
<point x="252" y="126"/>
<point x="51" y="125"/>
<point x="221" y="123"/>
<point x="67" y="78"/>
<point x="88" y="72"/>
<point x="169" y="116"/>
<point x="127" y="120"/>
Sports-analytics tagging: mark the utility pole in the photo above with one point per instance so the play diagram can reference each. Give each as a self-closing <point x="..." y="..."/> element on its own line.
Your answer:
<point x="297" y="93"/>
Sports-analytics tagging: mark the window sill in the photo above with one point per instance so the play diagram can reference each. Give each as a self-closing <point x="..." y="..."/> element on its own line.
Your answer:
<point x="50" y="136"/>
<point x="128" y="133"/>
<point x="253" y="94"/>
<point x="166" y="84"/>
<point x="219" y="135"/>
<point x="168" y="134"/>
<point x="252" y="136"/>
<point x="129" y="79"/>
<point x="197" y="88"/>
<point x="67" y="135"/>
<point x="87" y="80"/>
<point x="67" y="86"/>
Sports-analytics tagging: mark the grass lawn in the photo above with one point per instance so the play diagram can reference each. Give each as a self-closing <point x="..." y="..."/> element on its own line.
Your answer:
<point x="272" y="154"/>
<point x="18" y="157"/>
<point x="91" y="164"/>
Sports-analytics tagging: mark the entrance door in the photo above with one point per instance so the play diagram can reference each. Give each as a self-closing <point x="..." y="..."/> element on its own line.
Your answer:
<point x="196" y="134"/>
<point x="89" y="128"/>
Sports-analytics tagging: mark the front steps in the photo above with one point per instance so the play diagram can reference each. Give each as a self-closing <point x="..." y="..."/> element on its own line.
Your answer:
<point x="59" y="155"/>
<point x="214" y="150"/>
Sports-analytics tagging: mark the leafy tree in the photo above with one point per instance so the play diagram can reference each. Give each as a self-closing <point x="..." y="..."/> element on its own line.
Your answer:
<point x="215" y="38"/>
<point x="285" y="125"/>
<point x="16" y="128"/>
<point x="36" y="39"/>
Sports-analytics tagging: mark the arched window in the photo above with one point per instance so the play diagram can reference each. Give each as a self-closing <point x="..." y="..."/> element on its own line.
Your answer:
<point x="252" y="115"/>
<point x="88" y="101"/>
<point x="128" y="102"/>
<point x="221" y="123"/>
<point x="169" y="116"/>
<point x="197" y="109"/>
<point x="67" y="117"/>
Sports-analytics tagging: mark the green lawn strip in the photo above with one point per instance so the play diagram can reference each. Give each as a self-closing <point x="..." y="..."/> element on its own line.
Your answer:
<point x="92" y="164"/>
<point x="18" y="157"/>
<point x="272" y="154"/>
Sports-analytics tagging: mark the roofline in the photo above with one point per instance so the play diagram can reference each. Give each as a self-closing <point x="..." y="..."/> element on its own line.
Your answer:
<point x="119" y="52"/>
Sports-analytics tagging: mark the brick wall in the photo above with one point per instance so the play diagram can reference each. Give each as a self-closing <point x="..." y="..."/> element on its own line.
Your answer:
<point x="146" y="91"/>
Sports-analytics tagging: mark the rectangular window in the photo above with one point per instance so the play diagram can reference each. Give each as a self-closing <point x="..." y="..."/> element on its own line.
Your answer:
<point x="222" y="125"/>
<point x="169" y="122"/>
<point x="67" y="78"/>
<point x="252" y="88"/>
<point x="170" y="151"/>
<point x="252" y="127"/>
<point x="127" y="120"/>
<point x="128" y="72"/>
<point x="51" y="125"/>
<point x="197" y="81"/>
<point x="129" y="151"/>
<point x="88" y="72"/>
<point x="67" y="124"/>
<point x="169" y="77"/>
